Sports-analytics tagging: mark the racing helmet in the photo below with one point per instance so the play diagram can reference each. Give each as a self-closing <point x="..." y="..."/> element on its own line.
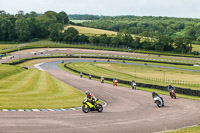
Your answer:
<point x="87" y="92"/>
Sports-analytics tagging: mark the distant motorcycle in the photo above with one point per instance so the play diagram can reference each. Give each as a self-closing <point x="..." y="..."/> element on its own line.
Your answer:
<point x="133" y="85"/>
<point x="90" y="77"/>
<point x="158" y="99"/>
<point x="172" y="94"/>
<point x="102" y="80"/>
<point x="115" y="82"/>
<point x="88" y="106"/>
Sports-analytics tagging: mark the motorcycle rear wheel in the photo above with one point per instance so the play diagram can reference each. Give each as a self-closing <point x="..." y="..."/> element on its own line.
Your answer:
<point x="158" y="103"/>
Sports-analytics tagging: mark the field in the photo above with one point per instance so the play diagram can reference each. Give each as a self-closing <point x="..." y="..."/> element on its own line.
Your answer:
<point x="4" y="46"/>
<point x="141" y="74"/>
<point x="29" y="89"/>
<point x="91" y="31"/>
<point x="196" y="48"/>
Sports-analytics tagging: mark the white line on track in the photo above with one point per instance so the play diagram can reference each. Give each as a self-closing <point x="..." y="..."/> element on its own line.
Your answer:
<point x="38" y="66"/>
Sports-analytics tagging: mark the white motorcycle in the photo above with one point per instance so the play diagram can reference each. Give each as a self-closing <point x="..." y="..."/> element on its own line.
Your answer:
<point x="158" y="99"/>
<point x="133" y="85"/>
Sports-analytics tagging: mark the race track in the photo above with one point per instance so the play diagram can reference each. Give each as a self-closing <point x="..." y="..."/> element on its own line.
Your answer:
<point x="126" y="111"/>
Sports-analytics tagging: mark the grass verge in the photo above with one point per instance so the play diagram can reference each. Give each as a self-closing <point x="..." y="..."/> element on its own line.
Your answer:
<point x="30" y="89"/>
<point x="195" y="129"/>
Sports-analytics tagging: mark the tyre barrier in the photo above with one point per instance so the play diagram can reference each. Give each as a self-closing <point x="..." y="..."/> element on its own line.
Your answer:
<point x="185" y="91"/>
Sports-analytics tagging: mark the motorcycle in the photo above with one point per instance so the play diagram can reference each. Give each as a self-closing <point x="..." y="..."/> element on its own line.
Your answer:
<point x="88" y="106"/>
<point x="115" y="83"/>
<point x="102" y="80"/>
<point x="133" y="85"/>
<point x="158" y="100"/>
<point x="172" y="94"/>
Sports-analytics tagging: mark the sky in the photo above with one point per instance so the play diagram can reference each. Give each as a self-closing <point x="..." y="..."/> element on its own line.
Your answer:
<point x="170" y="8"/>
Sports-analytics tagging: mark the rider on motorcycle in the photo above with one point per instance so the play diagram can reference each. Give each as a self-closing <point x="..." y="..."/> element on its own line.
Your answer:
<point x="133" y="83"/>
<point x="115" y="81"/>
<point x="91" y="98"/>
<point x="102" y="79"/>
<point x="170" y="88"/>
<point x="156" y="95"/>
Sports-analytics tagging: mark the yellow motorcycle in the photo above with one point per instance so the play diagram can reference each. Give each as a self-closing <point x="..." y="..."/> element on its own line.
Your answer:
<point x="88" y="106"/>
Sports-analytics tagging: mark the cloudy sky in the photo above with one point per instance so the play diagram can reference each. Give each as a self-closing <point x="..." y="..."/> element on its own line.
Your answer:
<point x="172" y="8"/>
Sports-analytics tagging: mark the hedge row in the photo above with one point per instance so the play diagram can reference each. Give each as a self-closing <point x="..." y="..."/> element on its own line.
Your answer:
<point x="184" y="91"/>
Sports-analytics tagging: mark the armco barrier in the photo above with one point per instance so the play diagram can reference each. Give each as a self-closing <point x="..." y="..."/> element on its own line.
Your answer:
<point x="184" y="91"/>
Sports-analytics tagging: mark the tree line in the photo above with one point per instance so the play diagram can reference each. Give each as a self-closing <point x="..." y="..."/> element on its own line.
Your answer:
<point x="169" y="33"/>
<point x="154" y="33"/>
<point x="158" y="42"/>
<point x="30" y="26"/>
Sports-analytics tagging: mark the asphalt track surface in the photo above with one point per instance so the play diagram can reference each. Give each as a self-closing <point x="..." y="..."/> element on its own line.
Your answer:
<point x="127" y="111"/>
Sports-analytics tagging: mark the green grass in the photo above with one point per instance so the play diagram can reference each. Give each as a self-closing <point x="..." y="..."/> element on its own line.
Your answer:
<point x="165" y="64"/>
<point x="32" y="88"/>
<point x="195" y="129"/>
<point x="8" y="70"/>
<point x="138" y="88"/>
<point x="4" y="46"/>
<point x="142" y="74"/>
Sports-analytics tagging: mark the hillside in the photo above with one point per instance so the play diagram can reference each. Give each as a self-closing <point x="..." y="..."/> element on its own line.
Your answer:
<point x="91" y="31"/>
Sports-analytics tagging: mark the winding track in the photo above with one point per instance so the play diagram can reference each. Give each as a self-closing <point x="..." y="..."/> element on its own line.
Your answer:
<point x="127" y="111"/>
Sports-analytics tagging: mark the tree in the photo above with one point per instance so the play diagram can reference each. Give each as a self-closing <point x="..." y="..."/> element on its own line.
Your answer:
<point x="62" y="17"/>
<point x="126" y="39"/>
<point x="7" y="31"/>
<point x="180" y="45"/>
<point x="20" y="15"/>
<point x="22" y="28"/>
<point x="70" y="35"/>
<point x="55" y="31"/>
<point x="104" y="39"/>
<point x="83" y="38"/>
<point x="93" y="39"/>
<point x="161" y="42"/>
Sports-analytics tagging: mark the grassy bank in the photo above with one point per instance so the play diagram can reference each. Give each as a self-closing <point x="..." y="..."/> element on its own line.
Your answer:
<point x="32" y="88"/>
<point x="8" y="70"/>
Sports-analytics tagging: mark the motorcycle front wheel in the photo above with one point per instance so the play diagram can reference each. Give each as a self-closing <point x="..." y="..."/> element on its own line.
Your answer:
<point x="100" y="108"/>
<point x="85" y="109"/>
<point x="175" y="96"/>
